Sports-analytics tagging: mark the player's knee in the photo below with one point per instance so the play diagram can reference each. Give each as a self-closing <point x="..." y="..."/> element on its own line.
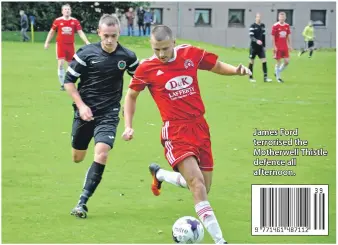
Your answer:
<point x="286" y="62"/>
<point x="78" y="158"/>
<point x="101" y="157"/>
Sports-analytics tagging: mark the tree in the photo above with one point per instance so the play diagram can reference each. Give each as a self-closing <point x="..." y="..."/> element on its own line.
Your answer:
<point x="88" y="13"/>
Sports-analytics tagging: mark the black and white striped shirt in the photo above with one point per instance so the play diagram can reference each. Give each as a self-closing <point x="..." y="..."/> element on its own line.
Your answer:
<point x="101" y="75"/>
<point x="257" y="32"/>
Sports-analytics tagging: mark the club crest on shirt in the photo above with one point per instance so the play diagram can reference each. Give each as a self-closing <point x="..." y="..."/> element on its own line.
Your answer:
<point x="122" y="65"/>
<point x="188" y="63"/>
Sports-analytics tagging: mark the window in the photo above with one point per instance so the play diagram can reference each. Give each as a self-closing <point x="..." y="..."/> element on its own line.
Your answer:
<point x="236" y="18"/>
<point x="157" y="15"/>
<point x="202" y="17"/>
<point x="318" y="17"/>
<point x="289" y="15"/>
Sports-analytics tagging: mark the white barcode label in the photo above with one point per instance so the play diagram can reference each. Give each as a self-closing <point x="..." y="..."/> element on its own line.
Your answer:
<point x="289" y="209"/>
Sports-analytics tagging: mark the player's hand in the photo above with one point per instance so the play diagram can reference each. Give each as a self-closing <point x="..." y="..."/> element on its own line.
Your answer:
<point x="87" y="42"/>
<point x="86" y="113"/>
<point x="259" y="42"/>
<point x="242" y="70"/>
<point x="46" y="45"/>
<point x="128" y="134"/>
<point x="290" y="48"/>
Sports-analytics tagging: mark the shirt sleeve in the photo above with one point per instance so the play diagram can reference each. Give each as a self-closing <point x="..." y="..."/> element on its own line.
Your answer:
<point x="55" y="25"/>
<point x="208" y="60"/>
<point x="76" y="67"/>
<point x="288" y="31"/>
<point x="138" y="81"/>
<point x="251" y="33"/>
<point x="78" y="25"/>
<point x="132" y="64"/>
<point x="273" y="31"/>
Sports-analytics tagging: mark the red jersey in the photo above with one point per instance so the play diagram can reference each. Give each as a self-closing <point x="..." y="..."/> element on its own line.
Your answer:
<point x="66" y="29"/>
<point x="174" y="85"/>
<point x="281" y="32"/>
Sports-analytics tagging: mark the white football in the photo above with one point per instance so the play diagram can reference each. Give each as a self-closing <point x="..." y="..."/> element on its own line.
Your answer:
<point x="188" y="230"/>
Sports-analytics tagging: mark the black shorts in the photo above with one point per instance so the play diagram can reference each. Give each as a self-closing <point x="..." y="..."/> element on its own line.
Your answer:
<point x="102" y="128"/>
<point x="310" y="44"/>
<point x="259" y="51"/>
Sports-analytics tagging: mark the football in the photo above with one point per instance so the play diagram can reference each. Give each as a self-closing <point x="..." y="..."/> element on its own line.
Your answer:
<point x="187" y="230"/>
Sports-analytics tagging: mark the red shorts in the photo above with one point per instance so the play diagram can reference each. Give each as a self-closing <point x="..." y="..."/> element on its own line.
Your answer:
<point x="280" y="54"/>
<point x="184" y="138"/>
<point x="65" y="51"/>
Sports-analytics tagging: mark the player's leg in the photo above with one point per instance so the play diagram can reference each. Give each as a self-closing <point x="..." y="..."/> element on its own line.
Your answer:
<point x="286" y="61"/>
<point x="160" y="175"/>
<point x="252" y="55"/>
<point x="262" y="56"/>
<point x="104" y="135"/>
<point x="193" y="175"/>
<point x="61" y="56"/>
<point x="82" y="133"/>
<point x="303" y="50"/>
<point x="69" y="53"/>
<point x="277" y="56"/>
<point x="311" y="46"/>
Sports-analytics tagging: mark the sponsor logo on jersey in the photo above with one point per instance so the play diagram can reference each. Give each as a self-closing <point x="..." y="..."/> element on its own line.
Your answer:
<point x="180" y="87"/>
<point x="66" y="30"/>
<point x="122" y="65"/>
<point x="178" y="83"/>
<point x="282" y="34"/>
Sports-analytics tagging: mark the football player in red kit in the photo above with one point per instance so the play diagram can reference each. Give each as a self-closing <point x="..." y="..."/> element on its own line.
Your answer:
<point x="66" y="26"/>
<point x="281" y="43"/>
<point x="171" y="77"/>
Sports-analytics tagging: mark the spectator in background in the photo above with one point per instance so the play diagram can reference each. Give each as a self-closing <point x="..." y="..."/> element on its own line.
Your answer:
<point x="148" y="19"/>
<point x="130" y="15"/>
<point x="140" y="21"/>
<point x="24" y="26"/>
<point x="118" y="13"/>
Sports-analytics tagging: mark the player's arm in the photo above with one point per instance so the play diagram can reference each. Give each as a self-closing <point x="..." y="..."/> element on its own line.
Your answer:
<point x="229" y="70"/>
<point x="252" y="33"/>
<point x="49" y="37"/>
<point x="136" y="85"/>
<point x="289" y="39"/>
<point x="289" y="42"/>
<point x="83" y="36"/>
<point x="74" y="71"/>
<point x="273" y="33"/>
<point x="304" y="33"/>
<point x="210" y="62"/>
<point x="129" y="107"/>
<point x="263" y="35"/>
<point x="132" y="64"/>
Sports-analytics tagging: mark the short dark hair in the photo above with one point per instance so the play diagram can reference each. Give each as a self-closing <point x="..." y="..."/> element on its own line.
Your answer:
<point x="162" y="32"/>
<point x="109" y="20"/>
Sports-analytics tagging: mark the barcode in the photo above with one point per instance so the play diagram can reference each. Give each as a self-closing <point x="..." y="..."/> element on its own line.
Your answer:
<point x="289" y="209"/>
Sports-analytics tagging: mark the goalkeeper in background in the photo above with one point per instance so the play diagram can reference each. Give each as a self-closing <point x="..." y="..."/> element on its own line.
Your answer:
<point x="309" y="36"/>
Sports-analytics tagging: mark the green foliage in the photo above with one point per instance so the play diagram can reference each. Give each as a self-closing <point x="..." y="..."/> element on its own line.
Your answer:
<point x="45" y="12"/>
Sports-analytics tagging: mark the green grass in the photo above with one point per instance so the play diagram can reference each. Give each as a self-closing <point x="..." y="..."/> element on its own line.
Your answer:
<point x="40" y="184"/>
